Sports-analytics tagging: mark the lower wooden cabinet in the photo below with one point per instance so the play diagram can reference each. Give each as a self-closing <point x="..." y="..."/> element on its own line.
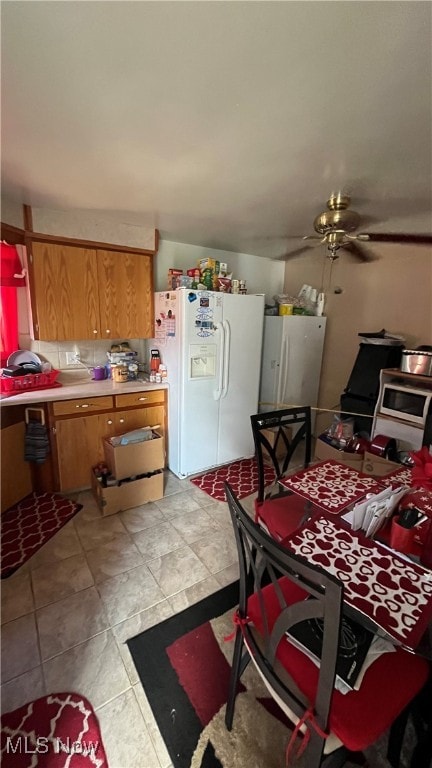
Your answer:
<point x="16" y="480"/>
<point x="79" y="426"/>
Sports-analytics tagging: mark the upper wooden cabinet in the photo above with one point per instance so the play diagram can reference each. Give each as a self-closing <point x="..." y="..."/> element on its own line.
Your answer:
<point x="90" y="293"/>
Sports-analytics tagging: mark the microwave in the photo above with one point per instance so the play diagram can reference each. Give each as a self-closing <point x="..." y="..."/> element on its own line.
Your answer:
<point x="405" y="402"/>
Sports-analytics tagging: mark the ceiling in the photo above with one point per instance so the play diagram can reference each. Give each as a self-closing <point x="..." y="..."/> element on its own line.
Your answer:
<point x="223" y="124"/>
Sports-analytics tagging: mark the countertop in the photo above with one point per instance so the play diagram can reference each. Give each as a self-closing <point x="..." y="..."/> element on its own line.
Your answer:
<point x="78" y="389"/>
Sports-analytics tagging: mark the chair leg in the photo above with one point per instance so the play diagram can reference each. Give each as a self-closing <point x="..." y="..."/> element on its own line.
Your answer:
<point x="236" y="670"/>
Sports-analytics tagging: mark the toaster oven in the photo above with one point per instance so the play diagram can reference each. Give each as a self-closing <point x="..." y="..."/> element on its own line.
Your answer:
<point x="405" y="402"/>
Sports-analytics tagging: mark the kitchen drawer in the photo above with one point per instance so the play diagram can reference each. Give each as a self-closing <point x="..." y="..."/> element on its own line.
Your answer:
<point x="85" y="405"/>
<point x="140" y="398"/>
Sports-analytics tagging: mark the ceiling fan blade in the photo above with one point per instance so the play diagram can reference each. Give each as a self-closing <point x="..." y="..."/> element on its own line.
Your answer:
<point x="293" y="254"/>
<point x="395" y="237"/>
<point x="358" y="251"/>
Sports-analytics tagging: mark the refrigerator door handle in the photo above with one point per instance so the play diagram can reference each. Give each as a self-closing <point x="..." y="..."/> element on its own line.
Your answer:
<point x="286" y="368"/>
<point x="283" y="371"/>
<point x="280" y="379"/>
<point x="218" y="392"/>
<point x="227" y="352"/>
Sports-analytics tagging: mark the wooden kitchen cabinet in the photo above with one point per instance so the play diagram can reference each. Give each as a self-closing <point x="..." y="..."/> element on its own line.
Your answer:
<point x="79" y="426"/>
<point x="125" y="295"/>
<point x="90" y="293"/>
<point x="16" y="482"/>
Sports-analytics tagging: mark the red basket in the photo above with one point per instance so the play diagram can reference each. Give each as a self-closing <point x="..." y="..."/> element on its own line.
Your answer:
<point x="29" y="382"/>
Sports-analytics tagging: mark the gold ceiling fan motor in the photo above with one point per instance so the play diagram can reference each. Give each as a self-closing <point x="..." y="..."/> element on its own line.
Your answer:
<point x="335" y="224"/>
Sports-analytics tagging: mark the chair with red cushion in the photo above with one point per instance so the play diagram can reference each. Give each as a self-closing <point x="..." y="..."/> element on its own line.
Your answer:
<point x="281" y="438"/>
<point x="274" y="585"/>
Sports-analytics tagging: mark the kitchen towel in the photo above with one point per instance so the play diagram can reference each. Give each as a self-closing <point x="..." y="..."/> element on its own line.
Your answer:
<point x="36" y="442"/>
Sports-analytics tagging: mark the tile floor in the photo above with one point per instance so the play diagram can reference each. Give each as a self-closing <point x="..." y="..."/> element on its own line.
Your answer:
<point x="67" y="613"/>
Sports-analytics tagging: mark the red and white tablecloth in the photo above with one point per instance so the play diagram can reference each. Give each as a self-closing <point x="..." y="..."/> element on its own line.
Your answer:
<point x="398" y="478"/>
<point x="332" y="486"/>
<point x="395" y="593"/>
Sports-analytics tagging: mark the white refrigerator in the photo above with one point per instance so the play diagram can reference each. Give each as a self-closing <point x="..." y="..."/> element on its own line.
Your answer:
<point x="291" y="361"/>
<point x="211" y="345"/>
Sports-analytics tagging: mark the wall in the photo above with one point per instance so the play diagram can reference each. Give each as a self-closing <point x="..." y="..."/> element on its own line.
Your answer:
<point x="261" y="275"/>
<point x="11" y="213"/>
<point x="392" y="292"/>
<point x="92" y="225"/>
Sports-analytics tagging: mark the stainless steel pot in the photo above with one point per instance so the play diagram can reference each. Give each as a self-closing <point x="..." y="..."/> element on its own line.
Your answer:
<point x="417" y="361"/>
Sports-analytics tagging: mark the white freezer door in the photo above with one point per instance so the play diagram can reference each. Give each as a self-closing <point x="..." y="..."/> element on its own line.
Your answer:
<point x="270" y="392"/>
<point x="301" y="357"/>
<point x="243" y="318"/>
<point x="201" y="337"/>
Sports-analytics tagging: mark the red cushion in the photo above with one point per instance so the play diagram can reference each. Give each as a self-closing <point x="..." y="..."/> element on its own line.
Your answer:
<point x="359" y="717"/>
<point x="281" y="516"/>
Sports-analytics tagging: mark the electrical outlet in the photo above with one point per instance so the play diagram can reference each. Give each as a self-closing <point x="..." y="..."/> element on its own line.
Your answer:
<point x="72" y="358"/>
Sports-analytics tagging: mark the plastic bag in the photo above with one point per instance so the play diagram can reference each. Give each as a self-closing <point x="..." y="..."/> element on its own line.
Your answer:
<point x="340" y="431"/>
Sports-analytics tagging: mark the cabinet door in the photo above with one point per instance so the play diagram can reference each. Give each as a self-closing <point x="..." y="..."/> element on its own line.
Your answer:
<point x="79" y="447"/>
<point x="65" y="300"/>
<point x="15" y="472"/>
<point x="125" y="294"/>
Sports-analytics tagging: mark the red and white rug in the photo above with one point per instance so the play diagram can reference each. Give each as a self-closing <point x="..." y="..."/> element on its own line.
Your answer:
<point x="241" y="475"/>
<point x="56" y="731"/>
<point x="29" y="524"/>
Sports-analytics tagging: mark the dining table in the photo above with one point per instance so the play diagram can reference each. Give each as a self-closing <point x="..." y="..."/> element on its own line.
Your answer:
<point x="384" y="590"/>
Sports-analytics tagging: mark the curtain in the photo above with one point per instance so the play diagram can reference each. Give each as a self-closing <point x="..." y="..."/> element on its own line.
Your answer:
<point x="12" y="276"/>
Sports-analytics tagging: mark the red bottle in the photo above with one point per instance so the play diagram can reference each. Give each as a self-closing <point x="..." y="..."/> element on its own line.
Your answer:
<point x="154" y="360"/>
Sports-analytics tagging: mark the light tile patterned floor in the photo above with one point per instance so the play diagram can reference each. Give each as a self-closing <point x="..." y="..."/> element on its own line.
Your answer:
<point x="67" y="613"/>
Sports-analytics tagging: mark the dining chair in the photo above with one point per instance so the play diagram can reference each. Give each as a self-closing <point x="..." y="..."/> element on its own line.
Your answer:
<point x="280" y="436"/>
<point x="274" y="585"/>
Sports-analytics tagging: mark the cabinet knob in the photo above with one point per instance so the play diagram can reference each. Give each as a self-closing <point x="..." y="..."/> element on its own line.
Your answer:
<point x="84" y="405"/>
<point x="143" y="398"/>
<point x="109" y="421"/>
<point x="107" y="330"/>
<point x="95" y="332"/>
<point x="121" y="421"/>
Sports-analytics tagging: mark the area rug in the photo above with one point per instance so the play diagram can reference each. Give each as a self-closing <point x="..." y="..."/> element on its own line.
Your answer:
<point x="56" y="731"/>
<point x="241" y="475"/>
<point x="184" y="667"/>
<point x="28" y="525"/>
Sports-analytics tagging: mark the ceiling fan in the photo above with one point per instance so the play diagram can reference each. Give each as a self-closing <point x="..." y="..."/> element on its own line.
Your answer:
<point x="335" y="225"/>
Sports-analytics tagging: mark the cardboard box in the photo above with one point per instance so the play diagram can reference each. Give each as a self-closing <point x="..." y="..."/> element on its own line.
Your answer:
<point x="377" y="466"/>
<point x="209" y="264"/>
<point x="116" y="498"/>
<point x="270" y="434"/>
<point x="324" y="451"/>
<point x="135" y="458"/>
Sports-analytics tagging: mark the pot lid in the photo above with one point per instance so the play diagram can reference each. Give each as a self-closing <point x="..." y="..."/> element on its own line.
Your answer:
<point x="419" y="352"/>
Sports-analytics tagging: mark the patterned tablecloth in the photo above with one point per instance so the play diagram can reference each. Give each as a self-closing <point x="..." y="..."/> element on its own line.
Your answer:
<point x="332" y="486"/>
<point x="395" y="593"/>
<point x="398" y="478"/>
